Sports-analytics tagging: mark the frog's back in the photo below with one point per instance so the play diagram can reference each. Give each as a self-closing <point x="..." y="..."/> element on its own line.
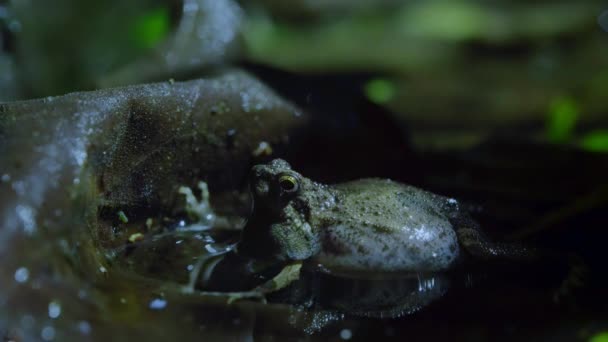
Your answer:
<point x="381" y="225"/>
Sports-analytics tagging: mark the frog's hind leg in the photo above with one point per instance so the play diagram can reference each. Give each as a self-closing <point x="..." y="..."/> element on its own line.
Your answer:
<point x="481" y="247"/>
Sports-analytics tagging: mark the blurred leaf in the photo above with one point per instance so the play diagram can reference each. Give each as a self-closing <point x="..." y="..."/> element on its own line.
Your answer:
<point x="596" y="141"/>
<point x="563" y="114"/>
<point x="448" y="20"/>
<point x="600" y="337"/>
<point x="380" y="90"/>
<point x="151" y="27"/>
<point x="123" y="217"/>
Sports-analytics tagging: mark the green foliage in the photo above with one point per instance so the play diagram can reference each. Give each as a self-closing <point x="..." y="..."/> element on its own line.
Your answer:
<point x="450" y="20"/>
<point x="380" y="90"/>
<point x="151" y="27"/>
<point x="562" y="118"/>
<point x="595" y="141"/>
<point x="599" y="337"/>
<point x="123" y="217"/>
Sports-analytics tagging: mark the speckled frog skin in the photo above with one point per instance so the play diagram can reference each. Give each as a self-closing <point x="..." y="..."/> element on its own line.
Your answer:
<point x="369" y="225"/>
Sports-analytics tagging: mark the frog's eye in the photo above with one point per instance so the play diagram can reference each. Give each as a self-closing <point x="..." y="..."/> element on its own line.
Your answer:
<point x="288" y="183"/>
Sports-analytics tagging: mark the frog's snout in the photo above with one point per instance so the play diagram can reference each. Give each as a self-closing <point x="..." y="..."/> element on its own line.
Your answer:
<point x="261" y="188"/>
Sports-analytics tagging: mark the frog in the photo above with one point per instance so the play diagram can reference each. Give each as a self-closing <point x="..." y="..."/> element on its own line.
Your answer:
<point x="365" y="226"/>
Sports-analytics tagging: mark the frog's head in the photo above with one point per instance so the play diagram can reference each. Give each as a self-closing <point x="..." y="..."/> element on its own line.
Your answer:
<point x="273" y="185"/>
<point x="278" y="227"/>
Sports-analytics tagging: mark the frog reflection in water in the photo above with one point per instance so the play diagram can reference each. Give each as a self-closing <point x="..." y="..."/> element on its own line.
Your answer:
<point x="368" y="225"/>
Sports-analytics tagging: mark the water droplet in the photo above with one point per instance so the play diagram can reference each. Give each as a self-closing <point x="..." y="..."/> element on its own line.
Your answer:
<point x="158" y="304"/>
<point x="27" y="216"/>
<point x="190" y="267"/>
<point x="263" y="149"/>
<point x="346" y="334"/>
<point x="22" y="274"/>
<point x="48" y="333"/>
<point x="210" y="249"/>
<point x="54" y="309"/>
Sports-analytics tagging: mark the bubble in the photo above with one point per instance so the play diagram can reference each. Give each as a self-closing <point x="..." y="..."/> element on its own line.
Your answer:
<point x="54" y="309"/>
<point x="22" y="274"/>
<point x="84" y="327"/>
<point x="346" y="334"/>
<point x="48" y="333"/>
